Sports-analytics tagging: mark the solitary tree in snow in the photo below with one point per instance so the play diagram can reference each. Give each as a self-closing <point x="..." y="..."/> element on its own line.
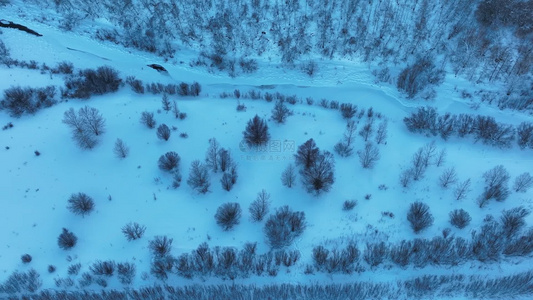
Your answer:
<point x="165" y="103"/>
<point x="368" y="156"/>
<point x="288" y="177"/>
<point x="228" y="215"/>
<point x="367" y="130"/>
<point x="121" y="150"/>
<point x="419" y="216"/>
<point x="462" y="189"/>
<point x="256" y="132"/>
<point x="280" y="112"/>
<point x="86" y="126"/>
<point x="381" y="133"/>
<point x="523" y="182"/>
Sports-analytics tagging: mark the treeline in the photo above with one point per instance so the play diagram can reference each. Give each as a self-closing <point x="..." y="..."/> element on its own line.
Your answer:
<point x="428" y="286"/>
<point x="489" y="243"/>
<point x="426" y="120"/>
<point x="482" y="40"/>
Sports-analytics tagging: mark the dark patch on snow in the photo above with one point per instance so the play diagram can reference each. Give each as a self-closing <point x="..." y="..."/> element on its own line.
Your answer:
<point x="9" y="24"/>
<point x="158" y="68"/>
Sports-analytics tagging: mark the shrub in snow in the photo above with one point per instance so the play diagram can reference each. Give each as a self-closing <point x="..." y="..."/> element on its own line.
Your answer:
<point x="375" y="254"/>
<point x="348" y="110"/>
<point x="133" y="231"/>
<point x="147" y="118"/>
<point x="227" y="182"/>
<point x="460" y="218"/>
<point x="418" y="76"/>
<point x="349" y="205"/>
<point x="284" y="226"/>
<point x="18" y="100"/>
<point x="320" y="175"/>
<point x="195" y="89"/>
<point x="525" y="135"/>
<point x="462" y="189"/>
<point x="381" y="133"/>
<point x="280" y="112"/>
<point x="260" y="206"/>
<point x="199" y="177"/>
<point x="74" y="269"/>
<point x="419" y="216"/>
<point x="92" y="82"/>
<point x="121" y="150"/>
<point x="66" y="239"/>
<point x="520" y="246"/>
<point x="165" y="103"/>
<point x="523" y="182"/>
<point x="513" y="220"/>
<point x="26" y="258"/>
<point x="160" y="246"/>
<point x="228" y="215"/>
<point x="80" y="204"/>
<point x="183" y="89"/>
<point x="163" y="132"/>
<point x="256" y="132"/>
<point x="496" y="185"/>
<point x="424" y="119"/>
<point x="488" y="242"/>
<point x="21" y="282"/>
<point x="136" y="85"/>
<point x="103" y="268"/>
<point x="225" y="161"/>
<point x="51" y="269"/>
<point x="161" y="266"/>
<point x="125" y="272"/>
<point x="169" y="161"/>
<point x="64" y="67"/>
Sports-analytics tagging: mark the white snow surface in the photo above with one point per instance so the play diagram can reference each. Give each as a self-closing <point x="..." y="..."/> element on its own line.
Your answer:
<point x="34" y="189"/>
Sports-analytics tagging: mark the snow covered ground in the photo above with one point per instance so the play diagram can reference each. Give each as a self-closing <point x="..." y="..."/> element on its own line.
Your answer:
<point x="34" y="189"/>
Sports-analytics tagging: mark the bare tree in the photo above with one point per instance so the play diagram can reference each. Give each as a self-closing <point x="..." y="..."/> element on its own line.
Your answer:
<point x="147" y="118"/>
<point x="344" y="148"/>
<point x="419" y="166"/>
<point x="121" y="150"/>
<point x="405" y="177"/>
<point x="368" y="156"/>
<point x="92" y="119"/>
<point x="419" y="216"/>
<point x="288" y="177"/>
<point x="175" y="109"/>
<point x="199" y="177"/>
<point x="165" y="103"/>
<point x="307" y="154"/>
<point x="225" y="161"/>
<point x="381" y="133"/>
<point x="449" y="176"/>
<point x="429" y="153"/>
<point x="462" y="189"/>
<point x="496" y="185"/>
<point x="228" y="215"/>
<point x="260" y="206"/>
<point x="523" y="182"/>
<point x="441" y="158"/>
<point x="212" y="155"/>
<point x="367" y="130"/>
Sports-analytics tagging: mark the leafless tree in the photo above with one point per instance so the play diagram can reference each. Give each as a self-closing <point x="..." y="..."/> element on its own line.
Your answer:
<point x="367" y="130"/>
<point x="462" y="189"/>
<point x="165" y="103"/>
<point x="212" y="155"/>
<point x="199" y="177"/>
<point x="259" y="208"/>
<point x="288" y="177"/>
<point x="381" y="133"/>
<point x="441" y="158"/>
<point x="368" y="156"/>
<point x="523" y="182"/>
<point x="449" y="176"/>
<point x="121" y="150"/>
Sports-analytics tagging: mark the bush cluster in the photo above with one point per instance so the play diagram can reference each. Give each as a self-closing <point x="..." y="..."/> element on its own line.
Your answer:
<point x="90" y="82"/>
<point x="484" y="128"/>
<point x="20" y="100"/>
